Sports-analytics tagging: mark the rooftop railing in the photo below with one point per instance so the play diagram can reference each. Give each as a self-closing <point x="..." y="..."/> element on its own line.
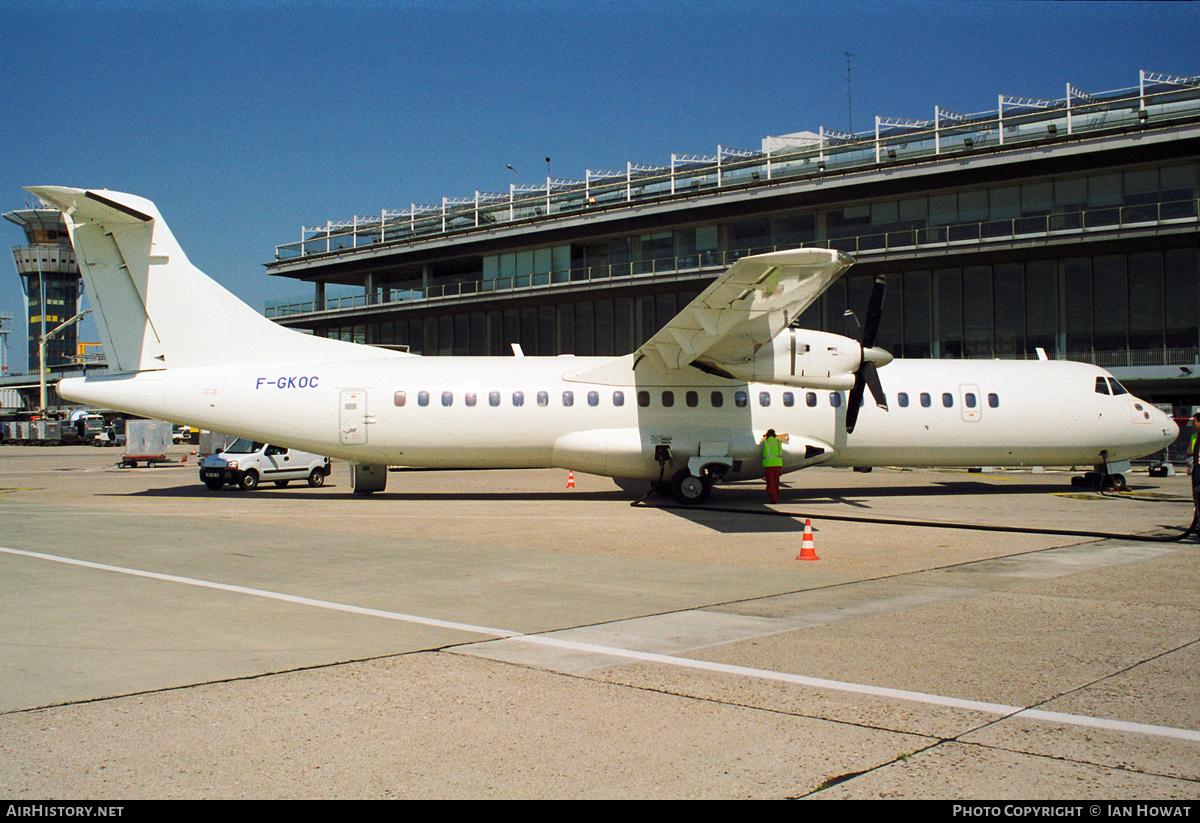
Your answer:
<point x="1158" y="100"/>
<point x="1078" y="223"/>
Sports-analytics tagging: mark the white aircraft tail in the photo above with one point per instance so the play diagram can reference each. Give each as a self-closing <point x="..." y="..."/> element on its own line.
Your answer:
<point x="154" y="309"/>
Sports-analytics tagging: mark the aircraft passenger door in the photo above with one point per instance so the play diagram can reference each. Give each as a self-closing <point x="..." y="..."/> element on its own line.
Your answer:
<point x="352" y="417"/>
<point x="972" y="403"/>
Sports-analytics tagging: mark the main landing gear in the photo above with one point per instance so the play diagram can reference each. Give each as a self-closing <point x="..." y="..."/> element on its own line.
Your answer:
<point x="689" y="489"/>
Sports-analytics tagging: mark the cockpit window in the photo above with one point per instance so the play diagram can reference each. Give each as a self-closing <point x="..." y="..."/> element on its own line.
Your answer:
<point x="1101" y="386"/>
<point x="1117" y="388"/>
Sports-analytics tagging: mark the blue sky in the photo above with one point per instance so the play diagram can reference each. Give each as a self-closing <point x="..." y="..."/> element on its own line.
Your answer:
<point x="244" y="120"/>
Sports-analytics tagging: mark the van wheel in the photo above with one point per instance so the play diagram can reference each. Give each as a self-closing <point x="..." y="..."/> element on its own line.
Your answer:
<point x="281" y="483"/>
<point x="249" y="481"/>
<point x="316" y="478"/>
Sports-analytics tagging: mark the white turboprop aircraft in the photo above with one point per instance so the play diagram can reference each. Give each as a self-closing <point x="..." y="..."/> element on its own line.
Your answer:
<point x="684" y="411"/>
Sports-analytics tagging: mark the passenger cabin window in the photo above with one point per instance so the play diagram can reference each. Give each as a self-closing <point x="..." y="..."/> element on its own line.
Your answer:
<point x="398" y="398"/>
<point x="618" y="398"/>
<point x="718" y="400"/>
<point x="422" y="398"/>
<point x="740" y="399"/>
<point x="969" y="400"/>
<point x="902" y="400"/>
<point x="926" y="400"/>
<point x="993" y="400"/>
<point x="948" y="400"/>
<point x="835" y="399"/>
<point x="447" y="398"/>
<point x="593" y="398"/>
<point x="643" y="398"/>
<point x="543" y="398"/>
<point x="668" y="398"/>
<point x="469" y="398"/>
<point x="493" y="398"/>
<point x="789" y="399"/>
<point x="518" y="398"/>
<point x="568" y="398"/>
<point x="764" y="398"/>
<point x="692" y="399"/>
<point x="810" y="399"/>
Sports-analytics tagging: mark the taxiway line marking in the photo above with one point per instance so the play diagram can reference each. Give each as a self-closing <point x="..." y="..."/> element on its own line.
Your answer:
<point x="286" y="598"/>
<point x="649" y="657"/>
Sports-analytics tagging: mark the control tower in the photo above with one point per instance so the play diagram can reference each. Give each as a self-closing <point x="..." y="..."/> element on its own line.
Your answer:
<point x="50" y="279"/>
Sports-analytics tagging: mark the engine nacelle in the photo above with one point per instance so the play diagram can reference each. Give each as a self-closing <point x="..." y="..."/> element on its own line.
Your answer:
<point x="804" y="359"/>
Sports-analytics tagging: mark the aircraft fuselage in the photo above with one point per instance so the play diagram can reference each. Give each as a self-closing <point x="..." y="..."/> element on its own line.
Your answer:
<point x="601" y="415"/>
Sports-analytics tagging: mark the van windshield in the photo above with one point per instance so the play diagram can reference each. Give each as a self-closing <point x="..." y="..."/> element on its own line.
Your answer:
<point x="243" y="446"/>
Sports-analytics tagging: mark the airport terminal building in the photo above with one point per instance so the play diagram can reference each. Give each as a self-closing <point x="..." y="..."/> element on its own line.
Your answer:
<point x="1064" y="226"/>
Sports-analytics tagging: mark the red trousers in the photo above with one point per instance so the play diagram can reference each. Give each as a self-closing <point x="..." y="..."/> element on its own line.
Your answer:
<point x="772" y="473"/>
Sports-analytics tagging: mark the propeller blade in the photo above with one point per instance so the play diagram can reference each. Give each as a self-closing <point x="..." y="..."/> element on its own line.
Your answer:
<point x="853" y="330"/>
<point x="853" y="402"/>
<point x="867" y="375"/>
<point x="871" y="374"/>
<point x="874" y="312"/>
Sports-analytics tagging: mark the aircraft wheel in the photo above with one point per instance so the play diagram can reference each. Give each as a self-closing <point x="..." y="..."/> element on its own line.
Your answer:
<point x="316" y="478"/>
<point x="1115" y="482"/>
<point x="249" y="481"/>
<point x="690" y="489"/>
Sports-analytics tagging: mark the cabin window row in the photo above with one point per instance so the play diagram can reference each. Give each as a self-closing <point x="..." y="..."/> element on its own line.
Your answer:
<point x="494" y="398"/>
<point x="691" y="399"/>
<point x="969" y="399"/>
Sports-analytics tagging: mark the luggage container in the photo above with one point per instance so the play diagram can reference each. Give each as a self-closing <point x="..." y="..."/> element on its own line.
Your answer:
<point x="146" y="441"/>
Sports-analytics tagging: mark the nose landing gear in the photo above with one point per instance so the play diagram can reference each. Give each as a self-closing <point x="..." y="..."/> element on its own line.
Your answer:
<point x="1102" y="477"/>
<point x="1101" y="480"/>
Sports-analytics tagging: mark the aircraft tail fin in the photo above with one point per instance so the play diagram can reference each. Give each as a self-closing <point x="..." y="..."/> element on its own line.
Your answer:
<point x="154" y="309"/>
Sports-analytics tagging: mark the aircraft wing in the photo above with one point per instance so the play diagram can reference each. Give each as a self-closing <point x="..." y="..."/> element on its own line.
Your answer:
<point x="744" y="308"/>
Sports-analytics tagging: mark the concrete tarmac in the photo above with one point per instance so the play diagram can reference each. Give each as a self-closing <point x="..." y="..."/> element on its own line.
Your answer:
<point x="490" y="634"/>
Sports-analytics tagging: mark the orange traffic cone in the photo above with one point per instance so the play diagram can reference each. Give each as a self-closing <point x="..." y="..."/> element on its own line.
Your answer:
<point x="808" y="551"/>
<point x="570" y="479"/>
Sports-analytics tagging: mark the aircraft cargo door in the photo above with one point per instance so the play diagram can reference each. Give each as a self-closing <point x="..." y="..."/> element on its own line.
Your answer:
<point x="352" y="417"/>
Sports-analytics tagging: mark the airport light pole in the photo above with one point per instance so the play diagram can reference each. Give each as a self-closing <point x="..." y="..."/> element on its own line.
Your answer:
<point x="42" y="355"/>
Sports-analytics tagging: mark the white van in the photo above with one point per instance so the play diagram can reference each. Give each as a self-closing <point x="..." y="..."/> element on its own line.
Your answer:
<point x="245" y="463"/>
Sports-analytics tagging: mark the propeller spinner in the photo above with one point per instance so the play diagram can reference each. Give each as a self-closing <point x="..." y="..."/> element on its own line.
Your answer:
<point x="867" y="375"/>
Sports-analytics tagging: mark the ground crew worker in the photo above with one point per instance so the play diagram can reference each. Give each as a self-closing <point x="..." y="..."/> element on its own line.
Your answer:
<point x="772" y="450"/>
